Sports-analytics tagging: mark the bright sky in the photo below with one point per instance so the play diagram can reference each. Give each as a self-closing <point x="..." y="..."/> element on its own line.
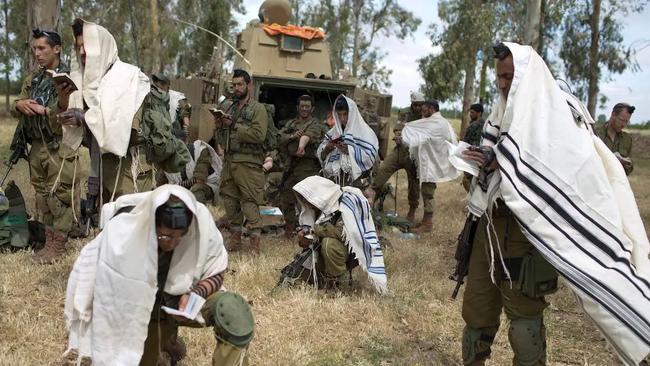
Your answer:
<point x="631" y="87"/>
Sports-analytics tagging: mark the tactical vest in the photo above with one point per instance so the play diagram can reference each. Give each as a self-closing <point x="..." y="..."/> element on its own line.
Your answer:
<point x="245" y="117"/>
<point x="43" y="91"/>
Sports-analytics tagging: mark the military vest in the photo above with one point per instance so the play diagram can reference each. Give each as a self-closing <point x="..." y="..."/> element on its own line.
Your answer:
<point x="43" y="91"/>
<point x="245" y="116"/>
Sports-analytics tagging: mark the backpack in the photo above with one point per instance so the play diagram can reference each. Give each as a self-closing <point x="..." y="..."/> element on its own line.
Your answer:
<point x="162" y="148"/>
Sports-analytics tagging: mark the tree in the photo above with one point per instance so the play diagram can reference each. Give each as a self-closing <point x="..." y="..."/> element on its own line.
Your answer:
<point x="595" y="25"/>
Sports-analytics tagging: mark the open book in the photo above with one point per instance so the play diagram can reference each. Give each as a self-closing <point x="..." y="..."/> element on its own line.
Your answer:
<point x="194" y="305"/>
<point x="62" y="77"/>
<point x="218" y="112"/>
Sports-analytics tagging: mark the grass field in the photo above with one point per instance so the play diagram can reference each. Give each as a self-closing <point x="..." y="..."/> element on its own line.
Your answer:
<point x="416" y="325"/>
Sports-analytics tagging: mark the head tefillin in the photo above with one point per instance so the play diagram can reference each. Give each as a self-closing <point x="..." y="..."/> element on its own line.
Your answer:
<point x="174" y="215"/>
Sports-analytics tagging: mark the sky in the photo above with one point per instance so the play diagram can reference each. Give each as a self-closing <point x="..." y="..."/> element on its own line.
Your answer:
<point x="402" y="56"/>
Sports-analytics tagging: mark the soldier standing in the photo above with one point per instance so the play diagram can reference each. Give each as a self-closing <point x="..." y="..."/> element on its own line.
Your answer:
<point x="399" y="158"/>
<point x="241" y="134"/>
<point x="617" y="140"/>
<point x="298" y="142"/>
<point x="473" y="135"/>
<point x="51" y="164"/>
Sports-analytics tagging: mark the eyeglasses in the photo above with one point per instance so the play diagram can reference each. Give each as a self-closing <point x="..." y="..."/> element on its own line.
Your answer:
<point x="169" y="238"/>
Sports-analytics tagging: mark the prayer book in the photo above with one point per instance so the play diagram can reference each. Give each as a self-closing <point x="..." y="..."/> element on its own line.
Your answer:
<point x="62" y="77"/>
<point x="194" y="305"/>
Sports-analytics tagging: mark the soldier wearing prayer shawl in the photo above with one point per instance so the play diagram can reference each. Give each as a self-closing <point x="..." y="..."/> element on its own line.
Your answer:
<point x="124" y="122"/>
<point x="158" y="248"/>
<point x="341" y="220"/>
<point x="545" y="202"/>
<point x="350" y="148"/>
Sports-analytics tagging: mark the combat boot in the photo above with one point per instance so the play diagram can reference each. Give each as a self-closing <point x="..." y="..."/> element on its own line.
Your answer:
<point x="411" y="215"/>
<point x="223" y="224"/>
<point x="289" y="231"/>
<point x="53" y="250"/>
<point x="426" y="226"/>
<point x="48" y="238"/>
<point x="234" y="242"/>
<point x="255" y="243"/>
<point x="176" y="349"/>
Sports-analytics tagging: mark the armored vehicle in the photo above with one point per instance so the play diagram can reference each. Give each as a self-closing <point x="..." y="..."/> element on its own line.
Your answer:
<point x="286" y="62"/>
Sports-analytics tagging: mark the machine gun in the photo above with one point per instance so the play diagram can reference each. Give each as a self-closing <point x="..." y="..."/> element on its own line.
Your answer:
<point x="463" y="252"/>
<point x="295" y="268"/>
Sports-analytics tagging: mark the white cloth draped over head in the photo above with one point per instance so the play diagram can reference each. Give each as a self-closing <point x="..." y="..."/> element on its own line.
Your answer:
<point x="358" y="226"/>
<point x="174" y="98"/>
<point x="362" y="144"/>
<point x="215" y="161"/>
<point x="112" y="90"/>
<point x="573" y="202"/>
<point x="427" y="141"/>
<point x="112" y="287"/>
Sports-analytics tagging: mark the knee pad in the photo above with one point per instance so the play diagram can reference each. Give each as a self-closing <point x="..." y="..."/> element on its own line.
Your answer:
<point x="528" y="341"/>
<point x="477" y="343"/>
<point x="233" y="319"/>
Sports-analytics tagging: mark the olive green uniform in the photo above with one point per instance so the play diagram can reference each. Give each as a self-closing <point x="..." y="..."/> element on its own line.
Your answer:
<point x="297" y="168"/>
<point x="484" y="300"/>
<point x="202" y="170"/>
<point x="333" y="252"/>
<point x="621" y="144"/>
<point x="473" y="137"/>
<point x="242" y="182"/>
<point x="163" y="327"/>
<point x="400" y="158"/>
<point x="51" y="164"/>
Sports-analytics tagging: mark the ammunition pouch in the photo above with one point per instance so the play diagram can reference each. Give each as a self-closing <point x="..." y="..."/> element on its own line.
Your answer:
<point x="535" y="277"/>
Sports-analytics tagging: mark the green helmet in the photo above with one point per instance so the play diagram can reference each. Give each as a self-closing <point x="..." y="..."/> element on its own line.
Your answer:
<point x="233" y="319"/>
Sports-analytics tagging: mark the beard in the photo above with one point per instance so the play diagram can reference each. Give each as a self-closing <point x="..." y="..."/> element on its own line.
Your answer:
<point x="241" y="96"/>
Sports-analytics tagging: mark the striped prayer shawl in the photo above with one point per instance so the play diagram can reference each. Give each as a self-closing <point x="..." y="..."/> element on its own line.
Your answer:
<point x="573" y="202"/>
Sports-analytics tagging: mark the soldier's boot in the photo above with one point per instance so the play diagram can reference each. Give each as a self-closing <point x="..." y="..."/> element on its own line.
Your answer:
<point x="223" y="224"/>
<point x="234" y="242"/>
<point x="528" y="341"/>
<point x="255" y="243"/>
<point x="53" y="250"/>
<point x="48" y="238"/>
<point x="175" y="348"/>
<point x="477" y="345"/>
<point x="426" y="225"/>
<point x="411" y="215"/>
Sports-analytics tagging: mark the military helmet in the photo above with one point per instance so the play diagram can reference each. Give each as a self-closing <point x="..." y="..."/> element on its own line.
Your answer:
<point x="233" y="319"/>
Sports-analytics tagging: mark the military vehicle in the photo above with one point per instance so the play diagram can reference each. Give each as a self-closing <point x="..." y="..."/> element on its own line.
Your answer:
<point x="286" y="65"/>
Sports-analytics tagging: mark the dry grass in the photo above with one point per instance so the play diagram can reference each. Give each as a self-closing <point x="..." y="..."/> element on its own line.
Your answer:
<point x="416" y="325"/>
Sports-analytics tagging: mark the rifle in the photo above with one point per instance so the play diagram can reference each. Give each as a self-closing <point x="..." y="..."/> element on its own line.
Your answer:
<point x="463" y="252"/>
<point x="89" y="204"/>
<point x="295" y="267"/>
<point x="18" y="150"/>
<point x="283" y="181"/>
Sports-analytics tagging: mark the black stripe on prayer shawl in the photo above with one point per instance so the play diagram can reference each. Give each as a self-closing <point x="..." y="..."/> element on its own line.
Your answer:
<point x="587" y="281"/>
<point x="495" y="126"/>
<point x="490" y="137"/>
<point x="566" y="197"/>
<point x="571" y="221"/>
<point x="609" y="299"/>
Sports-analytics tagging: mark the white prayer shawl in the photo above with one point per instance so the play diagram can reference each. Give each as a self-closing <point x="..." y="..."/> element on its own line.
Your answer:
<point x="573" y="202"/>
<point x="427" y="141"/>
<point x="358" y="226"/>
<point x="112" y="90"/>
<point x="174" y="98"/>
<point x="362" y="143"/>
<point x="213" y="180"/>
<point x="111" y="289"/>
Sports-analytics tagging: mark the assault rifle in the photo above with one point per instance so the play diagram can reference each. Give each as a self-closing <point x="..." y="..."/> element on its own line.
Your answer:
<point x="295" y="268"/>
<point x="89" y="205"/>
<point x="18" y="150"/>
<point x="463" y="252"/>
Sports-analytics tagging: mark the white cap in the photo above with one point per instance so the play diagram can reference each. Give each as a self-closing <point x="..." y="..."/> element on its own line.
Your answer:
<point x="417" y="97"/>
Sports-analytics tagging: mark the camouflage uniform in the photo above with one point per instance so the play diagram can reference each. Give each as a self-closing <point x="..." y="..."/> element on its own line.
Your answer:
<point x="621" y="144"/>
<point x="297" y="168"/>
<point x="473" y="137"/>
<point x="163" y="328"/>
<point x="50" y="161"/>
<point x="203" y="168"/>
<point x="242" y="182"/>
<point x="183" y="110"/>
<point x="400" y="158"/>
<point x="483" y="300"/>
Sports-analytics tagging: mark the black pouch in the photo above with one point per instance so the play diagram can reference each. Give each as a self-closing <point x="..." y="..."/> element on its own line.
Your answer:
<point x="537" y="277"/>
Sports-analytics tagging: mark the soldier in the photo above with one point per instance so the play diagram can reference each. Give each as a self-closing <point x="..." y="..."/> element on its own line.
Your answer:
<point x="298" y="142"/>
<point x="473" y="134"/>
<point x="617" y="140"/>
<point x="180" y="109"/>
<point x="51" y="164"/>
<point x="487" y="294"/>
<point x="400" y="158"/>
<point x="125" y="142"/>
<point x="241" y="133"/>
